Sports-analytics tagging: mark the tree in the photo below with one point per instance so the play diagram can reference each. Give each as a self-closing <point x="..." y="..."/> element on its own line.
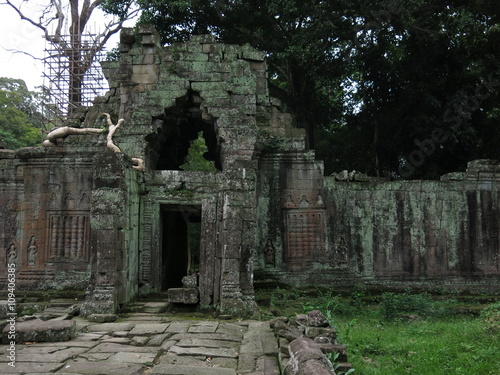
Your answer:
<point x="30" y="100"/>
<point x="374" y="78"/>
<point x="195" y="160"/>
<point x="51" y="18"/>
<point x="16" y="111"/>
<point x="420" y="65"/>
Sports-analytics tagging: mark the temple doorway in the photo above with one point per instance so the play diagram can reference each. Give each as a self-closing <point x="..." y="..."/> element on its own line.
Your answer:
<point x="180" y="243"/>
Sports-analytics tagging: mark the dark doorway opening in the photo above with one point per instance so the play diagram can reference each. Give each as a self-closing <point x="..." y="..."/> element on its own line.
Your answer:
<point x="180" y="239"/>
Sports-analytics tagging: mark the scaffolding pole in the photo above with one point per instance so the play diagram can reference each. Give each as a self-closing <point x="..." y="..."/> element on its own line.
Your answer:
<point x="72" y="76"/>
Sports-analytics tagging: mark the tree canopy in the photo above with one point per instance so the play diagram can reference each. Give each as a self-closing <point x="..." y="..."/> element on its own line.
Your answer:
<point x="20" y="121"/>
<point x="401" y="88"/>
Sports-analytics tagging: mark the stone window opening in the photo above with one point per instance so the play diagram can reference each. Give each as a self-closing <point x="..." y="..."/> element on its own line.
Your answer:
<point x="177" y="128"/>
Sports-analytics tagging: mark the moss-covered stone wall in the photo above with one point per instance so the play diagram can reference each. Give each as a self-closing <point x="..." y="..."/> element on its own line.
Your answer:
<point x="114" y="220"/>
<point x="391" y="234"/>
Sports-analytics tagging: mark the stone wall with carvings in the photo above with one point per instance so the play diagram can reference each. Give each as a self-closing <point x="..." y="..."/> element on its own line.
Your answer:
<point x="381" y="234"/>
<point x="435" y="233"/>
<point x="123" y="224"/>
<point x="46" y="215"/>
<point x="114" y="220"/>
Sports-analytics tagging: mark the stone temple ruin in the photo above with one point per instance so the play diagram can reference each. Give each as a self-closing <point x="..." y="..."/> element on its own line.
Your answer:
<point x="81" y="214"/>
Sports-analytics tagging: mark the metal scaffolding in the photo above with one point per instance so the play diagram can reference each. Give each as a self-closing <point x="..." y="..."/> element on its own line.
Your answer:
<point x="72" y="76"/>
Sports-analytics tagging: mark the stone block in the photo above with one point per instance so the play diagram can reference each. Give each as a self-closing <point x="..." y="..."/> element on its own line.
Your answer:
<point x="104" y="367"/>
<point x="41" y="331"/>
<point x="168" y="369"/>
<point x="188" y="296"/>
<point x="206" y="352"/>
<point x="102" y="318"/>
<point x="282" y="329"/>
<point x="156" y="307"/>
<point x="329" y="333"/>
<point x="306" y="358"/>
<point x="190" y="281"/>
<point x="149" y="328"/>
<point x="330" y="348"/>
<point x="314" y="367"/>
<point x="139" y="341"/>
<point x="316" y="319"/>
<point x="110" y="327"/>
<point x="157" y="340"/>
<point x="304" y="349"/>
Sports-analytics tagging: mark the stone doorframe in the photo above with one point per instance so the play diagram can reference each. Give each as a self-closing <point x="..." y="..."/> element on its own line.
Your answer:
<point x="150" y="254"/>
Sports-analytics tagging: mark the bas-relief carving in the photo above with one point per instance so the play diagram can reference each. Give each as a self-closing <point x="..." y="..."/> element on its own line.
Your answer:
<point x="11" y="254"/>
<point x="32" y="251"/>
<point x="341" y="252"/>
<point x="294" y="198"/>
<point x="68" y="239"/>
<point x="304" y="225"/>
<point x="270" y="253"/>
<point x="305" y="238"/>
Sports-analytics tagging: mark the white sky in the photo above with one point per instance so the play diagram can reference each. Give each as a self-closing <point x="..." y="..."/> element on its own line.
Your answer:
<point x="16" y="34"/>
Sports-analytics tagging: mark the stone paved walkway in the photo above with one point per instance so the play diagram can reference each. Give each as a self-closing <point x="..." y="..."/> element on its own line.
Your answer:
<point x="153" y="344"/>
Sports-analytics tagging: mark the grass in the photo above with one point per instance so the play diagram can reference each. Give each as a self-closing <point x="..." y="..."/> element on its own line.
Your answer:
<point x="444" y="345"/>
<point x="404" y="333"/>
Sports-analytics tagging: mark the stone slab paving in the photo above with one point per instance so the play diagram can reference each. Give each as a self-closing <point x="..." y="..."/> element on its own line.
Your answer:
<point x="149" y="344"/>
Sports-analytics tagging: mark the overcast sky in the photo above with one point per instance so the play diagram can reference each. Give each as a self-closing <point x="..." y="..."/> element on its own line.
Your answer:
<point x="20" y="35"/>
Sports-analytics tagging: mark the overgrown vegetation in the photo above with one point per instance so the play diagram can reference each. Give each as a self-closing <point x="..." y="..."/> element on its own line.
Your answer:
<point x="370" y="81"/>
<point x="406" y="332"/>
<point x="195" y="160"/>
<point x="491" y="316"/>
<point x="20" y="120"/>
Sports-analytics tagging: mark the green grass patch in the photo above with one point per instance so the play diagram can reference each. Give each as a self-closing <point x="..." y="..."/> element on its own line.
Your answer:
<point x="404" y="333"/>
<point x="451" y="345"/>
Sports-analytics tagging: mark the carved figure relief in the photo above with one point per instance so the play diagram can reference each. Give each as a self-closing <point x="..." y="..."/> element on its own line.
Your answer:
<point x="11" y="254"/>
<point x="304" y="202"/>
<point x="341" y="255"/>
<point x="32" y="251"/>
<point x="319" y="201"/>
<point x="270" y="253"/>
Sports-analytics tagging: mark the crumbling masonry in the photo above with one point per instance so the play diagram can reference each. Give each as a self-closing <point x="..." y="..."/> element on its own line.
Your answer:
<point x="116" y="222"/>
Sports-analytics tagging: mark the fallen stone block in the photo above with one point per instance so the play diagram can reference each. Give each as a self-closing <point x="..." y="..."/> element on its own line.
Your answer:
<point x="316" y="318"/>
<point x="313" y="332"/>
<point x="314" y="367"/>
<point x="340" y="349"/>
<point x="41" y="331"/>
<point x="188" y="296"/>
<point x="301" y="319"/>
<point x="290" y="333"/>
<point x="283" y="319"/>
<point x="304" y="350"/>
